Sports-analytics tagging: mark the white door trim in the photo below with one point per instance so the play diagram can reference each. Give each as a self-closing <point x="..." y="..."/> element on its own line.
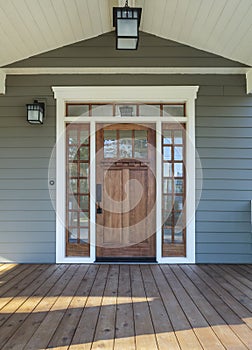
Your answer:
<point x="144" y="94"/>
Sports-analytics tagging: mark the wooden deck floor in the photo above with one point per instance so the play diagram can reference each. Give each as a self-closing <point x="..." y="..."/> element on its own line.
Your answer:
<point x="125" y="307"/>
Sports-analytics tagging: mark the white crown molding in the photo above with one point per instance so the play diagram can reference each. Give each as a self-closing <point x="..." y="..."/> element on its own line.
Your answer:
<point x="124" y="70"/>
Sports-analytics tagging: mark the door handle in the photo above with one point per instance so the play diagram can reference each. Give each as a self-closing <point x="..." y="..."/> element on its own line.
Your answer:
<point x="98" y="198"/>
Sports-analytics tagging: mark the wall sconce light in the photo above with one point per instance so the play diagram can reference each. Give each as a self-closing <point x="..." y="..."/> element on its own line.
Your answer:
<point x="126" y="20"/>
<point x="35" y="112"/>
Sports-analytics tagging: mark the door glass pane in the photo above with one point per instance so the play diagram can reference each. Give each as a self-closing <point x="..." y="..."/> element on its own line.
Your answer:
<point x="178" y="203"/>
<point x="72" y="152"/>
<point x="125" y="144"/>
<point x="73" y="203"/>
<point x="167" y="232"/>
<point x="168" y="203"/>
<point x="84" y="219"/>
<point x="84" y="235"/>
<point x="179" y="185"/>
<point x="73" y="185"/>
<point x="73" y="235"/>
<point x="141" y="144"/>
<point x="110" y="144"/>
<point x="72" y="169"/>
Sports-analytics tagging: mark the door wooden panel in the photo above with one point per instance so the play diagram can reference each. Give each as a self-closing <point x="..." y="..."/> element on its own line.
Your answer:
<point x="126" y="226"/>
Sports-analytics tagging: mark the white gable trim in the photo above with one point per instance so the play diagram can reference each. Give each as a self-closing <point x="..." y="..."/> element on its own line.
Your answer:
<point x="249" y="81"/>
<point x="2" y="81"/>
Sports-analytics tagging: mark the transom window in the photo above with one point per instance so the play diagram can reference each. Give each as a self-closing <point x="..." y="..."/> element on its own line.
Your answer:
<point x="125" y="110"/>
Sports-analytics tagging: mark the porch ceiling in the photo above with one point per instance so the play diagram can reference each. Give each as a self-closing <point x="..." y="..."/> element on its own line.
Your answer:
<point x="29" y="27"/>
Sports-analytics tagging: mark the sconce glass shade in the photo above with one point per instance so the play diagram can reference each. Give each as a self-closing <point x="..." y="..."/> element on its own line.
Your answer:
<point x="126" y="20"/>
<point x="35" y="112"/>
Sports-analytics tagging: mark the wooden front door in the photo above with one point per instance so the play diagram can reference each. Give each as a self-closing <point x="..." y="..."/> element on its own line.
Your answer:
<point x="125" y="192"/>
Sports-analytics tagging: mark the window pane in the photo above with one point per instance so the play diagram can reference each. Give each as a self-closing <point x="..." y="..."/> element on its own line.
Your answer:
<point x="126" y="110"/>
<point x="84" y="169"/>
<point x="84" y="153"/>
<point x="178" y="169"/>
<point x="149" y="110"/>
<point x="72" y="137"/>
<point x="167" y="186"/>
<point x="84" y="186"/>
<point x="84" y="235"/>
<point x="167" y="137"/>
<point x="178" y="235"/>
<point x="167" y="232"/>
<point x="72" y="152"/>
<point x="73" y="203"/>
<point x="173" y="110"/>
<point x="73" y="235"/>
<point x="78" y="110"/>
<point x="167" y="170"/>
<point x="84" y="202"/>
<point x="110" y="144"/>
<point x="168" y="203"/>
<point x="178" y="153"/>
<point x="102" y="110"/>
<point x="179" y="185"/>
<point x="84" y="219"/>
<point x="73" y="185"/>
<point x="178" y="203"/>
<point x="72" y="169"/>
<point x="167" y="153"/>
<point x="84" y="137"/>
<point x="125" y="144"/>
<point x="178" y="137"/>
<point x="141" y="145"/>
<point x="73" y="218"/>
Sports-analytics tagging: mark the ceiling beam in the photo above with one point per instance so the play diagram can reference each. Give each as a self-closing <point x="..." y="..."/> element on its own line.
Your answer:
<point x="249" y="81"/>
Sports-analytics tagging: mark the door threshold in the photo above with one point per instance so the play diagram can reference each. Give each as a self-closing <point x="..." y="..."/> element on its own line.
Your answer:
<point x="118" y="260"/>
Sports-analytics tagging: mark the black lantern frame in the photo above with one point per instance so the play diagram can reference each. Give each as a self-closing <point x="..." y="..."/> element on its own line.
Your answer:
<point x="126" y="20"/>
<point x="35" y="112"/>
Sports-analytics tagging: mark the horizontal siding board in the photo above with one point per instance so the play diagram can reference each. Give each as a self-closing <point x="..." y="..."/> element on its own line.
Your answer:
<point x="223" y="237"/>
<point x="228" y="258"/>
<point x="223" y="122"/>
<point x="210" y="216"/>
<point x="24" y="163"/>
<point x="232" y="111"/>
<point x="223" y="227"/>
<point x="28" y="226"/>
<point x="228" y="174"/>
<point x="227" y="142"/>
<point x="209" y="163"/>
<point x="223" y="132"/>
<point x="25" y="237"/>
<point x="226" y="195"/>
<point x="29" y="258"/>
<point x="225" y="101"/>
<point x="27" y="247"/>
<point x="232" y="248"/>
<point x="27" y="142"/>
<point x="218" y="153"/>
<point x="25" y="152"/>
<point x="23" y="194"/>
<point x="217" y="184"/>
<point x="27" y="205"/>
<point x="24" y="215"/>
<point x="224" y="205"/>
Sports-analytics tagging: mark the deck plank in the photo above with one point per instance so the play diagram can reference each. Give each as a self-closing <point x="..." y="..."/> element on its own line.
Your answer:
<point x="145" y="335"/>
<point x="125" y="331"/>
<point x="105" y="329"/>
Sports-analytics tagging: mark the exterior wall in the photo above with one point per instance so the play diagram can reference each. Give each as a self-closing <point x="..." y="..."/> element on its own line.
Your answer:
<point x="223" y="140"/>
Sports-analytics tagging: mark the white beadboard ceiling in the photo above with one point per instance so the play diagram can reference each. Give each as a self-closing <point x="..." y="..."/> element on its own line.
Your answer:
<point x="29" y="27"/>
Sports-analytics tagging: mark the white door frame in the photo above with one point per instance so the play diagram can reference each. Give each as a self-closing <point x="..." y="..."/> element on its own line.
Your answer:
<point x="120" y="94"/>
